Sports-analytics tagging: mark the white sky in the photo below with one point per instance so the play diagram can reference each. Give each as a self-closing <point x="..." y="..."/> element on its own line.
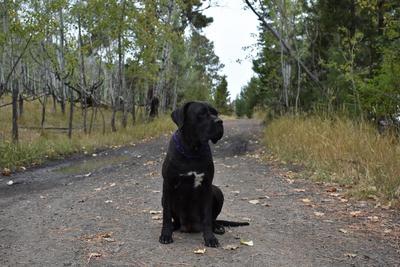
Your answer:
<point x="233" y="28"/>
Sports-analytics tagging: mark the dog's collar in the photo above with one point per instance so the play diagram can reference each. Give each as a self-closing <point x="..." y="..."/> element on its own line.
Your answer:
<point x="181" y="149"/>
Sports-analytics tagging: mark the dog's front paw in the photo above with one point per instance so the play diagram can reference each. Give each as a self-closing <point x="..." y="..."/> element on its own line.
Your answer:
<point x="211" y="242"/>
<point x="166" y="239"/>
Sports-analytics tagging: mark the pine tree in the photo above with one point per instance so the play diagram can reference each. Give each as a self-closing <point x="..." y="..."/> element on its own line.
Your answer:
<point x="221" y="98"/>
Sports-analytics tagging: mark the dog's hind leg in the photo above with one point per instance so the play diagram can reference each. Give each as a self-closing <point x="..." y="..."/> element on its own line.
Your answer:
<point x="218" y="202"/>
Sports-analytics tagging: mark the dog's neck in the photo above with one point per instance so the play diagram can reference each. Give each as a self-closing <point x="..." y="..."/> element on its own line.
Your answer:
<point x="189" y="148"/>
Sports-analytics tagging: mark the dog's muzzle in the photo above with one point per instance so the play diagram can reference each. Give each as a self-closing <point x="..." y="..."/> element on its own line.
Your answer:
<point x="219" y="130"/>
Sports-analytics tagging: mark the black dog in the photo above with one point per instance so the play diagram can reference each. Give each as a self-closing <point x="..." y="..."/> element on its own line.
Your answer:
<point x="190" y="201"/>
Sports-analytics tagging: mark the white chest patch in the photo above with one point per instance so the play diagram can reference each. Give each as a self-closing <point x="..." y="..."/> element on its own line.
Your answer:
<point x="198" y="177"/>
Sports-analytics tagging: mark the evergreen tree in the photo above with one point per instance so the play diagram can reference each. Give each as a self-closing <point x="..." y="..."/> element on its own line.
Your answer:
<point x="221" y="98"/>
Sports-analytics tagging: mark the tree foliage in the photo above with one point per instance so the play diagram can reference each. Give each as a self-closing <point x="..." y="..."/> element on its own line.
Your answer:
<point x="350" y="46"/>
<point x="106" y="53"/>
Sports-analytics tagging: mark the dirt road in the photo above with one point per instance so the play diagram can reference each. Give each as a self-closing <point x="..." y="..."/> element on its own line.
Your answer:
<point x="102" y="210"/>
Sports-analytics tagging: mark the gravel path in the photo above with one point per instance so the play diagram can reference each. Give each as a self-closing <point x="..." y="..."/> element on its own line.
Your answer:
<point x="102" y="210"/>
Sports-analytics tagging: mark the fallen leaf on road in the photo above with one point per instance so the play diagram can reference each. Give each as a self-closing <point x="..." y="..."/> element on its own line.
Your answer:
<point x="109" y="239"/>
<point x="350" y="255"/>
<point x="6" y="172"/>
<point x="11" y="182"/>
<point x="265" y="204"/>
<point x="355" y="213"/>
<point x="306" y="200"/>
<point x="156" y="217"/>
<point x="254" y="201"/>
<point x="99" y="237"/>
<point x="344" y="200"/>
<point x="151" y="173"/>
<point x="331" y="189"/>
<point x="113" y="184"/>
<point x="199" y="251"/>
<point x="246" y="219"/>
<point x="244" y="198"/>
<point x="108" y="201"/>
<point x="150" y="162"/>
<point x="263" y="197"/>
<point x="155" y="212"/>
<point x="97" y="189"/>
<point x="83" y="175"/>
<point x="334" y="194"/>
<point x="387" y="231"/>
<point x="319" y="214"/>
<point x="344" y="231"/>
<point x="156" y="191"/>
<point x="235" y="192"/>
<point x="94" y="255"/>
<point x="247" y="243"/>
<point x="373" y="218"/>
<point x="42" y="197"/>
<point x="230" y="247"/>
<point x="299" y="190"/>
<point x="290" y="181"/>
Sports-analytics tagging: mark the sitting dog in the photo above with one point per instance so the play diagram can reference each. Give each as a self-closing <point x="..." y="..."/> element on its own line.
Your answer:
<point x="190" y="201"/>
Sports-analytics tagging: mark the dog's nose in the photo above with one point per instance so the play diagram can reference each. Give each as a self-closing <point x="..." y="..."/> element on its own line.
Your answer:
<point x="218" y="120"/>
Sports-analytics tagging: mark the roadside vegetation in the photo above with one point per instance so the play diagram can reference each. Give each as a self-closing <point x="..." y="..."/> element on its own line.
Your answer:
<point x="37" y="145"/>
<point x="339" y="150"/>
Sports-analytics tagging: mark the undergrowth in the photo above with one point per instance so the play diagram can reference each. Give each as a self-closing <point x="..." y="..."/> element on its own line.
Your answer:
<point x="36" y="146"/>
<point x="339" y="150"/>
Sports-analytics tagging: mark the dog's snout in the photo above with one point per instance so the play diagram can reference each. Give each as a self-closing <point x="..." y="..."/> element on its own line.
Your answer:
<point x="218" y="120"/>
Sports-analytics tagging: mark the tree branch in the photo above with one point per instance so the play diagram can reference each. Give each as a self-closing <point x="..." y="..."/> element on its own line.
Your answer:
<point x="286" y="47"/>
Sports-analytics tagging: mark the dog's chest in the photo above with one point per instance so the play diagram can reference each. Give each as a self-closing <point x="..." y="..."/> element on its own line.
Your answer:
<point x="193" y="177"/>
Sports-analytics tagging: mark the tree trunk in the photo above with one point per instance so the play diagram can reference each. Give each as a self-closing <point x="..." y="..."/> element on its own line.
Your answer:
<point x="21" y="105"/>
<point x="62" y="62"/>
<point x="298" y="88"/>
<point x="71" y="112"/>
<point x="285" y="66"/>
<point x="175" y="96"/>
<point x="43" y="111"/>
<point x="15" y="90"/>
<point x="133" y="112"/>
<point x="82" y="76"/>
<point x="121" y="78"/>
<point x="161" y="89"/>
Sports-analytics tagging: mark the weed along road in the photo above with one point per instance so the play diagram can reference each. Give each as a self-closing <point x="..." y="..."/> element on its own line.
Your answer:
<point x="105" y="210"/>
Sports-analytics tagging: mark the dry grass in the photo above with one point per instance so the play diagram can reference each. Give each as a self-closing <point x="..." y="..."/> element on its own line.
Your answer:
<point x="340" y="150"/>
<point x="36" y="146"/>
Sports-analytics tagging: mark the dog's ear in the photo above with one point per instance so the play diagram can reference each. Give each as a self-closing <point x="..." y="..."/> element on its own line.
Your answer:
<point x="178" y="115"/>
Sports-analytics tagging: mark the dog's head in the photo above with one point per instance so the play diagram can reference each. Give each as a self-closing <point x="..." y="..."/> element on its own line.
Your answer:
<point x="198" y="122"/>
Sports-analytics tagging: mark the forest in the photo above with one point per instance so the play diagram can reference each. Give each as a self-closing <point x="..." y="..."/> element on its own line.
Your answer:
<point x="326" y="57"/>
<point x="128" y="57"/>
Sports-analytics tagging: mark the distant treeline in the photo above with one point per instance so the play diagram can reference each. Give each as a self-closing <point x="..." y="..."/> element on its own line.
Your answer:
<point x="326" y="56"/>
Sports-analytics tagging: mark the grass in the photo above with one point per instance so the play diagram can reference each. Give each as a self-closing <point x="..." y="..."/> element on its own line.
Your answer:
<point x="36" y="146"/>
<point x="339" y="150"/>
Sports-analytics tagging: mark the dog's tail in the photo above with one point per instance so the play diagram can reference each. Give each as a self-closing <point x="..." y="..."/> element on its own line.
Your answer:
<point x="231" y="224"/>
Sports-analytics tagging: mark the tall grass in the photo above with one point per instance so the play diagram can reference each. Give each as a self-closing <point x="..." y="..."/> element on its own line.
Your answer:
<point x="342" y="150"/>
<point x="35" y="146"/>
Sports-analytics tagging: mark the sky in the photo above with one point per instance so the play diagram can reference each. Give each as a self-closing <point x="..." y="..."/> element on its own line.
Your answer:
<point x="233" y="28"/>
